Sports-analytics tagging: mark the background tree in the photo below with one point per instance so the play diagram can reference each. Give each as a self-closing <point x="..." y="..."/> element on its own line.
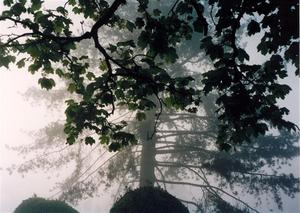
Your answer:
<point x="126" y="66"/>
<point x="185" y="156"/>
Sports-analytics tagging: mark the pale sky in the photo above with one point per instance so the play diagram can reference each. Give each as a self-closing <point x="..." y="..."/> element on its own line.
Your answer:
<point x="18" y="117"/>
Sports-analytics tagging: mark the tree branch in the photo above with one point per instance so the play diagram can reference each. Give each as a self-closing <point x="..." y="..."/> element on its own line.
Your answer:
<point x="217" y="188"/>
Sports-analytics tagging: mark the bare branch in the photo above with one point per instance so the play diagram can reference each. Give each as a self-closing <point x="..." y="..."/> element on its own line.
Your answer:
<point x="205" y="186"/>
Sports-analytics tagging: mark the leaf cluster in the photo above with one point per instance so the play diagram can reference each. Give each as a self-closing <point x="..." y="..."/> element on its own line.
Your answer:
<point x="135" y="69"/>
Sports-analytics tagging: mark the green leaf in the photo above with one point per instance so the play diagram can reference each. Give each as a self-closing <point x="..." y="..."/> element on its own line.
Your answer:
<point x="206" y="42"/>
<point x="115" y="146"/>
<point x="6" y="60"/>
<point x="139" y="22"/>
<point x="70" y="140"/>
<point x="61" y="10"/>
<point x="70" y="46"/>
<point x="253" y="27"/>
<point x="47" y="83"/>
<point x="76" y="10"/>
<point x="34" y="67"/>
<point x="171" y="56"/>
<point x="103" y="65"/>
<point x="36" y="4"/>
<point x="8" y="2"/>
<point x="143" y="40"/>
<point x="126" y="43"/>
<point x="83" y="57"/>
<point x="21" y="63"/>
<point x="90" y="76"/>
<point x="33" y="51"/>
<point x="89" y="91"/>
<point x="140" y="116"/>
<point x="106" y="98"/>
<point x="104" y="139"/>
<point x="17" y="9"/>
<point x="156" y="12"/>
<point x="130" y="26"/>
<point x="119" y="93"/>
<point x="132" y="106"/>
<point x="242" y="55"/>
<point x="169" y="102"/>
<point x="112" y="48"/>
<point x="59" y="72"/>
<point x="292" y="53"/>
<point x="263" y="47"/>
<point x="72" y="87"/>
<point x="72" y="2"/>
<point x="89" y="141"/>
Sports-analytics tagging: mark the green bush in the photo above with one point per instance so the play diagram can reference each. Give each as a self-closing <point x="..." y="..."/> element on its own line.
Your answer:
<point x="148" y="200"/>
<point x="41" y="205"/>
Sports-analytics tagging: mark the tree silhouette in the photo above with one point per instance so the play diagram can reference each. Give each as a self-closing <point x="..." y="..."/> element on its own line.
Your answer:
<point x="182" y="153"/>
<point x="134" y="69"/>
<point x="146" y="68"/>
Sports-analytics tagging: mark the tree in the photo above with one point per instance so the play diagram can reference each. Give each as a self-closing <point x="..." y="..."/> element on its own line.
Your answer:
<point x="133" y="70"/>
<point x="182" y="157"/>
<point x="138" y="73"/>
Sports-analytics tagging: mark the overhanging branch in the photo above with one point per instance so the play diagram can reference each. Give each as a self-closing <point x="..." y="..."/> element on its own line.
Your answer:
<point x="205" y="186"/>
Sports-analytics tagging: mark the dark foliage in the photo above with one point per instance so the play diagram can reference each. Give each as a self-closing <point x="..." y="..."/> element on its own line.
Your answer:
<point x="148" y="200"/>
<point x="41" y="205"/>
<point x="134" y="70"/>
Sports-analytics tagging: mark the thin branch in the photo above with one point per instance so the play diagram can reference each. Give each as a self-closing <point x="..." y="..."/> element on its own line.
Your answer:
<point x="46" y="154"/>
<point x="173" y="7"/>
<point x="210" y="189"/>
<point x="184" y="149"/>
<point x="262" y="175"/>
<point x="173" y="164"/>
<point x="191" y="202"/>
<point x="88" y="155"/>
<point x="82" y="174"/>
<point x="107" y="60"/>
<point x="16" y="38"/>
<point x="215" y="187"/>
<point x="206" y="133"/>
<point x="65" y="40"/>
<point x="162" y="175"/>
<point x="100" y="166"/>
<point x="211" y="15"/>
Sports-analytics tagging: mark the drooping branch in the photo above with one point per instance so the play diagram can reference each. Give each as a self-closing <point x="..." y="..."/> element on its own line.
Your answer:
<point x="210" y="186"/>
<point x="183" y="148"/>
<point x="78" y="181"/>
<point x="207" y="134"/>
<point x="162" y="175"/>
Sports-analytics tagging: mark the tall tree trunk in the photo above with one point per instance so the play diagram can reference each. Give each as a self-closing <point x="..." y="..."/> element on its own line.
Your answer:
<point x="148" y="140"/>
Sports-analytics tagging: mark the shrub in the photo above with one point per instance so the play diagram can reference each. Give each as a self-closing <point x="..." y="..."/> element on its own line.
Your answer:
<point x="148" y="200"/>
<point x="41" y="205"/>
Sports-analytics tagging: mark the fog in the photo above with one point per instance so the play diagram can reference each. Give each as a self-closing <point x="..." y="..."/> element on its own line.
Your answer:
<point x="21" y="117"/>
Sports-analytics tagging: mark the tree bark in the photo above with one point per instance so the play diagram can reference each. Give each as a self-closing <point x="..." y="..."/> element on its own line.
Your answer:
<point x="148" y="141"/>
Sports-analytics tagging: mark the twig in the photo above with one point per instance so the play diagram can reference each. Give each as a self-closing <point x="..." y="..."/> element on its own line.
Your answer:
<point x="215" y="187"/>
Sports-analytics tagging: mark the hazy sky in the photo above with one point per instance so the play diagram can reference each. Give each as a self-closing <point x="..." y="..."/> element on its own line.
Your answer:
<point x="18" y="117"/>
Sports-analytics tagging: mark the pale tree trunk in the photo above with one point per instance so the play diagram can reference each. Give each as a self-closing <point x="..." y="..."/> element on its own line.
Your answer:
<point x="148" y="141"/>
